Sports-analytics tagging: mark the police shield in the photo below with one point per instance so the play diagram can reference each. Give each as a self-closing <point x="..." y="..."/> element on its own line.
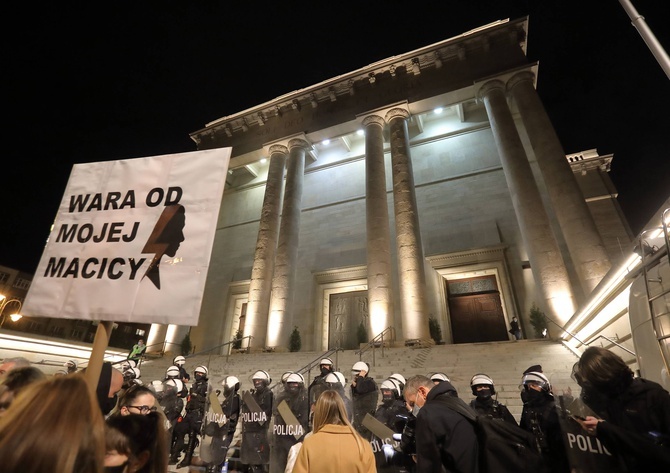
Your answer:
<point x="256" y="415"/>
<point x="291" y="420"/>
<point x="585" y="452"/>
<point x="212" y="449"/>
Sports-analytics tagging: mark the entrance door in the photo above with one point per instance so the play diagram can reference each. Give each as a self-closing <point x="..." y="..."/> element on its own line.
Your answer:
<point x="476" y="310"/>
<point x="346" y="312"/>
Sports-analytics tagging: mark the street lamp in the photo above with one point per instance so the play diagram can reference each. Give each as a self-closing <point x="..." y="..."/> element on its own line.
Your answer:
<point x="4" y="302"/>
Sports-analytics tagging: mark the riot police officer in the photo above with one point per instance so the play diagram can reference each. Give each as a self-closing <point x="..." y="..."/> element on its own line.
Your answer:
<point x="483" y="388"/>
<point x="173" y="372"/>
<point x="326" y="366"/>
<point x="191" y="423"/>
<point x="171" y="404"/>
<point x="290" y="430"/>
<point x="336" y="381"/>
<point x="179" y="362"/>
<point x="256" y="415"/>
<point x="222" y="435"/>
<point x="364" y="396"/>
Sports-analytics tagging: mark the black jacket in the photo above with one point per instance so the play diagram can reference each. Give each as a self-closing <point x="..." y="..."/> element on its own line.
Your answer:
<point x="637" y="424"/>
<point x="444" y="438"/>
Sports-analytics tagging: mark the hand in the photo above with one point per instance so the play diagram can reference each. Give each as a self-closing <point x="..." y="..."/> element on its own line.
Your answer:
<point x="590" y="424"/>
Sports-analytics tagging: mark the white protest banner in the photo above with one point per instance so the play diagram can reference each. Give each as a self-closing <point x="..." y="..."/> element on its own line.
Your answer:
<point x="132" y="240"/>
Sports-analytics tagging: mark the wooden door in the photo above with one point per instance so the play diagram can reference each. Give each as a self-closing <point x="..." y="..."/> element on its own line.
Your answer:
<point x="476" y="311"/>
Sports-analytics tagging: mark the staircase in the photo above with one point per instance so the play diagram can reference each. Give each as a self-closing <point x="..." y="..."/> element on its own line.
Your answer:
<point x="503" y="361"/>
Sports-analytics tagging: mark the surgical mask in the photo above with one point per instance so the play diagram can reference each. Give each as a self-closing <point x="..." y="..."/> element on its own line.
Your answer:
<point x="116" y="469"/>
<point x="415" y="410"/>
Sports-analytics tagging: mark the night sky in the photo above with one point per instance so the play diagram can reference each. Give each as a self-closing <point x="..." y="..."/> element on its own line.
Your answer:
<point x="92" y="81"/>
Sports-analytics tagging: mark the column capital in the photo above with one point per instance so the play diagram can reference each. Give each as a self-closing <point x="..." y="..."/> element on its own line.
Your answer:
<point x="299" y="143"/>
<point x="276" y="148"/>
<point x="397" y="113"/>
<point x="520" y="77"/>
<point x="490" y="86"/>
<point x="374" y="120"/>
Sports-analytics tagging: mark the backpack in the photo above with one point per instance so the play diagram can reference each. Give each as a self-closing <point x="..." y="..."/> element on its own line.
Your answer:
<point x="503" y="446"/>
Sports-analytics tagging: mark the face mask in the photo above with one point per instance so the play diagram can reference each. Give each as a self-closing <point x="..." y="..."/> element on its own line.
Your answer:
<point x="108" y="404"/>
<point x="116" y="469"/>
<point x="415" y="410"/>
<point x="325" y="370"/>
<point x="533" y="396"/>
<point x="484" y="394"/>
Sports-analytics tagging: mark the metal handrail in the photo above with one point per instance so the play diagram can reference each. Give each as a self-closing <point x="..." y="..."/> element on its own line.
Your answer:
<point x="377" y="340"/>
<point x="314" y="363"/>
<point x="612" y="342"/>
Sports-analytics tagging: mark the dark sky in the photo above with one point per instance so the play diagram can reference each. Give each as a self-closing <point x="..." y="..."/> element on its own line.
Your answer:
<point x="95" y="81"/>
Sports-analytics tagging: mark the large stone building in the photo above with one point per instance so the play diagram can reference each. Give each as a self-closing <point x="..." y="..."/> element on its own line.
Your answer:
<point x="429" y="185"/>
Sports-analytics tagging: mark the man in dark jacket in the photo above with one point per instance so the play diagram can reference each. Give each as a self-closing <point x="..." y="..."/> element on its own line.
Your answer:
<point x="445" y="440"/>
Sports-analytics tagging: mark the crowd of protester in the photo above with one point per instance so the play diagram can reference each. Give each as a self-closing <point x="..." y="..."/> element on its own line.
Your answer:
<point x="57" y="423"/>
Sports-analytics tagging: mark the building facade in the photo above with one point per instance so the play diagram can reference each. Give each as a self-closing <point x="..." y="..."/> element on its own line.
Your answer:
<point x="430" y="186"/>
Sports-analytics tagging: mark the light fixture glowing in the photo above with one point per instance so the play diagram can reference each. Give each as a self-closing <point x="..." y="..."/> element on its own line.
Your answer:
<point x="325" y="142"/>
<point x="438" y="110"/>
<point x="263" y="160"/>
<point x="360" y="132"/>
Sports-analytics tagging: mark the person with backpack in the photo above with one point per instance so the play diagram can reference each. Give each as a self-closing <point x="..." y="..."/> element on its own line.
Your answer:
<point x="483" y="388"/>
<point x="444" y="438"/>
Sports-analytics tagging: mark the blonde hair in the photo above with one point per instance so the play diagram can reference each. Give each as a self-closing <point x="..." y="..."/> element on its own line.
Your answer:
<point x="329" y="409"/>
<point x="53" y="425"/>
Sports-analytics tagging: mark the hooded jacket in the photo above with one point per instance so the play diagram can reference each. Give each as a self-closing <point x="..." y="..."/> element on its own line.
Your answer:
<point x="444" y="438"/>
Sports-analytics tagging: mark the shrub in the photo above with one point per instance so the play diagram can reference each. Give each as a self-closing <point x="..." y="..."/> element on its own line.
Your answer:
<point x="237" y="344"/>
<point x="186" y="345"/>
<point x="294" y="341"/>
<point x="538" y="321"/>
<point x="435" y="330"/>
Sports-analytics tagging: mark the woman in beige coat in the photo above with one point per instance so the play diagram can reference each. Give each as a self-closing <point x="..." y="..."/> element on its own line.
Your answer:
<point x="334" y="445"/>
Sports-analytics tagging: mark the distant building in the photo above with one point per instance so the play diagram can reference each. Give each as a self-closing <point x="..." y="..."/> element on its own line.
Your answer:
<point x="14" y="284"/>
<point x="429" y="185"/>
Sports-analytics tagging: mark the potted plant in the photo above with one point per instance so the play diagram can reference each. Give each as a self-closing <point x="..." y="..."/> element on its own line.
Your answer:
<point x="435" y="330"/>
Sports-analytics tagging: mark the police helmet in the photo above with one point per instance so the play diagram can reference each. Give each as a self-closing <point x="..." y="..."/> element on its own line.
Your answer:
<point x="132" y="373"/>
<point x="156" y="386"/>
<point x="360" y="366"/>
<point x="437" y="377"/>
<point x="172" y="372"/>
<point x="285" y="376"/>
<point x="391" y="385"/>
<point x="262" y="375"/>
<point x="481" y="379"/>
<point x="326" y="361"/>
<point x="536" y="378"/>
<point x="126" y="365"/>
<point x="70" y="364"/>
<point x="174" y="384"/>
<point x="295" y="378"/>
<point x="179" y="360"/>
<point x="400" y="379"/>
<point x="202" y="369"/>
<point x="231" y="382"/>
<point x="332" y="378"/>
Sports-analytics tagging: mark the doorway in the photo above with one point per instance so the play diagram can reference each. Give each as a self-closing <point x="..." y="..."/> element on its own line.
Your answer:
<point x="347" y="311"/>
<point x="475" y="310"/>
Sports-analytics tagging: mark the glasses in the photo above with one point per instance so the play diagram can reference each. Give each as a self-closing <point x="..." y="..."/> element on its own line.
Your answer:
<point x="144" y="409"/>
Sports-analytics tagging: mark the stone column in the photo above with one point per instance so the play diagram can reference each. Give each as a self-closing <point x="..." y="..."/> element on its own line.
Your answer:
<point x="260" y="287"/>
<point x="411" y="275"/>
<point x="283" y="282"/>
<point x="377" y="224"/>
<point x="585" y="244"/>
<point x="546" y="263"/>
